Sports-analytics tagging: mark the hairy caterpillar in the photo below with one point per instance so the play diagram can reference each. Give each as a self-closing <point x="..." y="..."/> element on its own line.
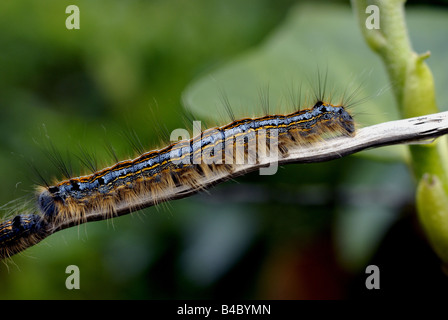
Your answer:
<point x="182" y="168"/>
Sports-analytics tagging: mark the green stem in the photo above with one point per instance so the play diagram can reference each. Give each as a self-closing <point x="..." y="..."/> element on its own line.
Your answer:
<point x="414" y="91"/>
<point x="391" y="41"/>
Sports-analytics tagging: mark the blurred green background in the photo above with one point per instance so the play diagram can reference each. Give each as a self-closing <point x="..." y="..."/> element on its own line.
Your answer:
<point x="307" y="232"/>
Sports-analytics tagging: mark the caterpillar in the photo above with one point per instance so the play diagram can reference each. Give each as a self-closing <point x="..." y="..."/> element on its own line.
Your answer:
<point x="177" y="170"/>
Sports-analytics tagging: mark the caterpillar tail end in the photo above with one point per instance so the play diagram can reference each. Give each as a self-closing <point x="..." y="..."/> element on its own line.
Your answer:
<point x="20" y="233"/>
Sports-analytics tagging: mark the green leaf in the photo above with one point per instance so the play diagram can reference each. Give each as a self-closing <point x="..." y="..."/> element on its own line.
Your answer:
<point x="312" y="38"/>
